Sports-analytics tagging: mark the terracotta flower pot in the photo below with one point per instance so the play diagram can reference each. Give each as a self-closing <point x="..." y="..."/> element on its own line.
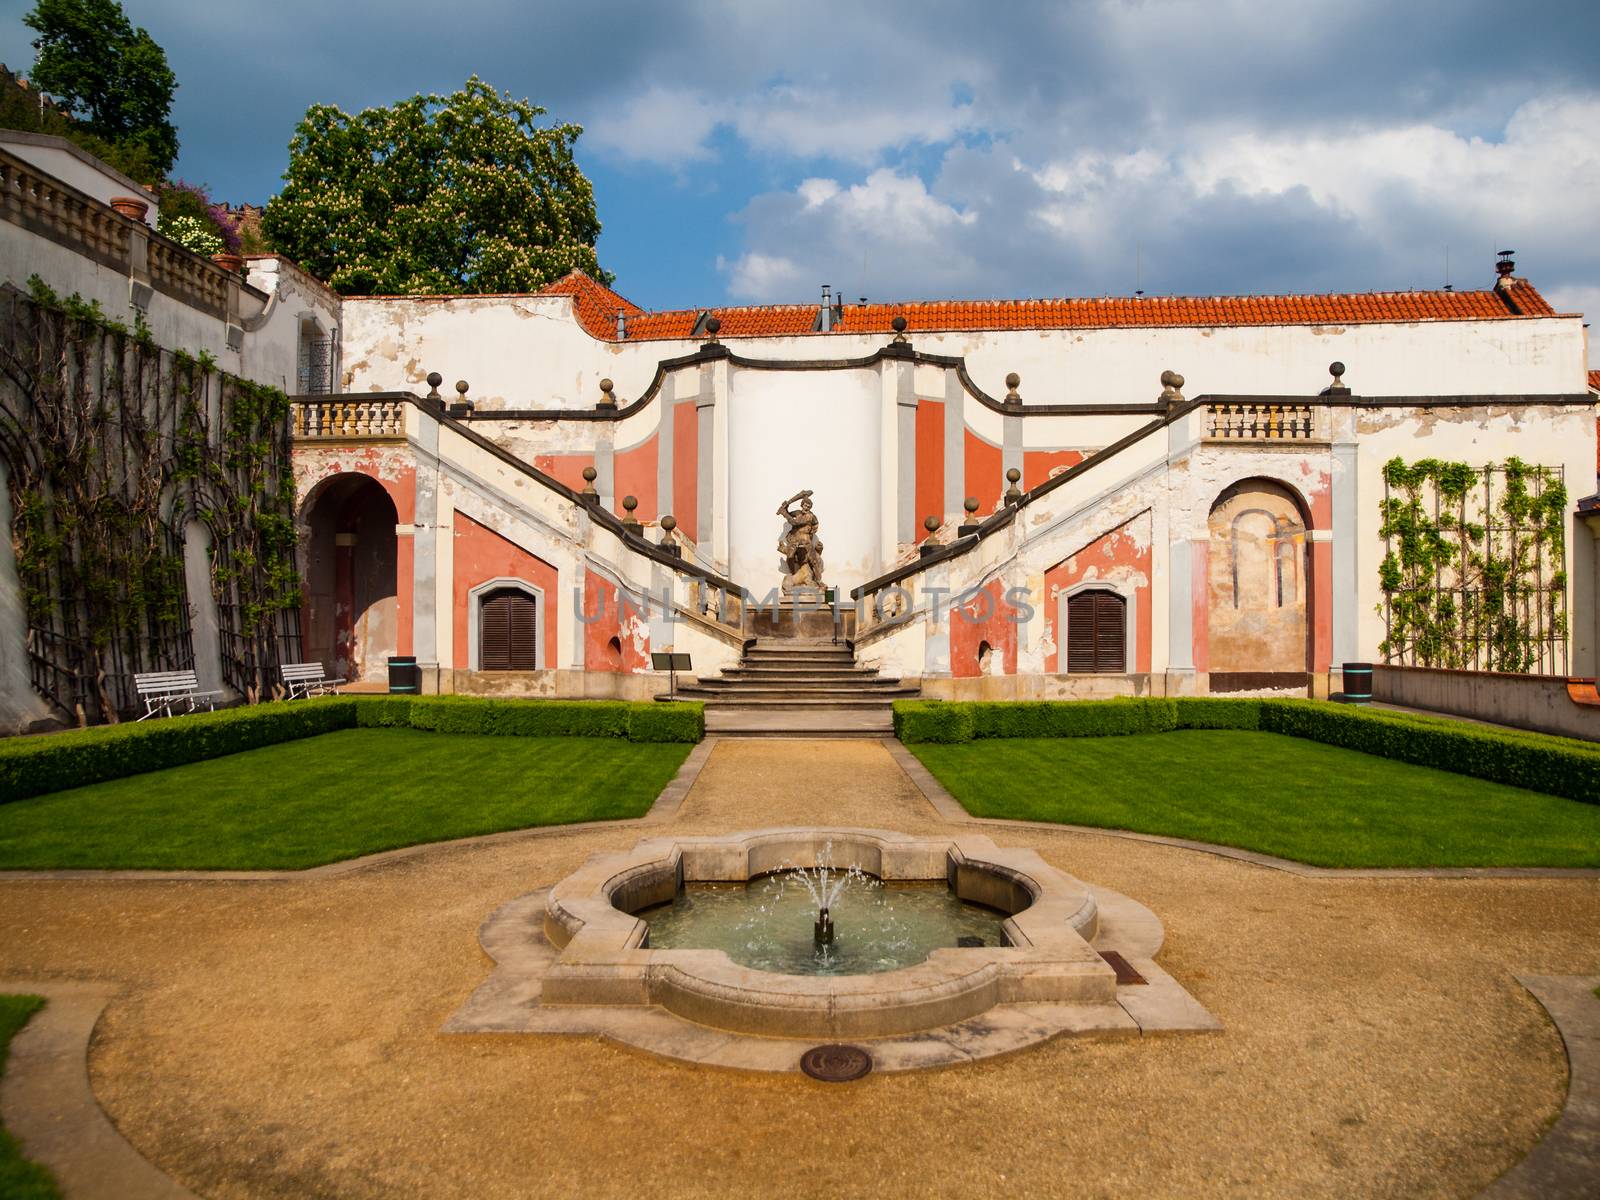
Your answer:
<point x="130" y="206"/>
<point x="229" y="262"/>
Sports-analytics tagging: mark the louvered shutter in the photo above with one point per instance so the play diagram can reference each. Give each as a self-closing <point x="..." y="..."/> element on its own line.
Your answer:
<point x="508" y="632"/>
<point x="1109" y="633"/>
<point x="1096" y="633"/>
<point x="524" y="632"/>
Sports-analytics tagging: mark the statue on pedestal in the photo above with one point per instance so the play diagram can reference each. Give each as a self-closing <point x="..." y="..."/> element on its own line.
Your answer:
<point x="800" y="547"/>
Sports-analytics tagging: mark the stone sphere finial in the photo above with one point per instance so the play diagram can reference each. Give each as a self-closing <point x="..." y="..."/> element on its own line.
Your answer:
<point x="931" y="524"/>
<point x="713" y="326"/>
<point x="606" y="385"/>
<point x="434" y="380"/>
<point x="668" y="523"/>
<point x="1336" y="369"/>
<point x="1013" y="380"/>
<point x="590" y="474"/>
<point x="461" y="387"/>
<point x="970" y="504"/>
<point x="1013" y="475"/>
<point x="1171" y="386"/>
<point x="630" y="503"/>
<point x="898" y="324"/>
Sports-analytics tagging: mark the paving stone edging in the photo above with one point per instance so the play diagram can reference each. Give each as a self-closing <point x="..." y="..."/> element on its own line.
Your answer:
<point x="949" y="809"/>
<point x="1567" y="1159"/>
<point x="47" y="1103"/>
<point x="664" y="809"/>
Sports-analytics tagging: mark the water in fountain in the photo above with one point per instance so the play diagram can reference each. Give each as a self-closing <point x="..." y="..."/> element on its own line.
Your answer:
<point x="771" y="924"/>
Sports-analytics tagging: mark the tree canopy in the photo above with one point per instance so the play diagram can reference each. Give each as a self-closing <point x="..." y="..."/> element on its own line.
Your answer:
<point x="436" y="195"/>
<point x="110" y="77"/>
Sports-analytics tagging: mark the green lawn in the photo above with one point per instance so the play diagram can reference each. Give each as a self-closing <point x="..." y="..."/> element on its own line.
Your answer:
<point x="19" y="1178"/>
<point x="1267" y="792"/>
<point x="332" y="797"/>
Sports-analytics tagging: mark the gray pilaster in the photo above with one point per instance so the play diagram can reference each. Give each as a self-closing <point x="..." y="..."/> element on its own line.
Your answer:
<point x="1011" y="446"/>
<point x="425" y="549"/>
<point x="665" y="400"/>
<point x="605" y="472"/>
<point x="906" y="437"/>
<point x="955" y="444"/>
<point x="1346" y="591"/>
<point x="705" y="492"/>
<point x="1180" y="607"/>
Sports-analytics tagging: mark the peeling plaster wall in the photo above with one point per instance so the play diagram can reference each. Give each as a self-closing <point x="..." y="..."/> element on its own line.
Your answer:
<point x="481" y="554"/>
<point x="616" y="615"/>
<point x="1121" y="560"/>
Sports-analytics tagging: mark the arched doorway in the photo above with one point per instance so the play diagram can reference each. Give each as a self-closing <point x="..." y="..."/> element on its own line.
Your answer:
<point x="1259" y="588"/>
<point x="352" y="604"/>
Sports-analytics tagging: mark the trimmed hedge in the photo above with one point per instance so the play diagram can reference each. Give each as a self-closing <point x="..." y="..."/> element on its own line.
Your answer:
<point x="1556" y="766"/>
<point x="32" y="766"/>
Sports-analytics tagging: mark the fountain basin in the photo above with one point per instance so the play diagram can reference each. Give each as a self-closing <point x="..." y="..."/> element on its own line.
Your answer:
<point x="604" y="957"/>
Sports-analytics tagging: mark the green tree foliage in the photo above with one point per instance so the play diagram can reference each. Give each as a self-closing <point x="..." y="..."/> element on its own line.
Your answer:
<point x="20" y="108"/>
<point x="109" y="76"/>
<point x="437" y="195"/>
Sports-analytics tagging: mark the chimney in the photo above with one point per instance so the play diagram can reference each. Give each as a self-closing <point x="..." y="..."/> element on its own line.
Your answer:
<point x="622" y="325"/>
<point x="1504" y="268"/>
<point x="825" y="315"/>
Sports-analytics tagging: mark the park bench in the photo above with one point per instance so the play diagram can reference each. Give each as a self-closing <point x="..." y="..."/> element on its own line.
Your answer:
<point x="162" y="691"/>
<point x="308" y="679"/>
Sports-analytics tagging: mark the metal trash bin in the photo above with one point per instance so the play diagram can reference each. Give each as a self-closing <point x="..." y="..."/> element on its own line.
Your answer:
<point x="1357" y="683"/>
<point x="405" y="677"/>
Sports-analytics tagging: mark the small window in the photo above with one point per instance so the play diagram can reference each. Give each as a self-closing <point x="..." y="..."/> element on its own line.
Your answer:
<point x="1097" y="624"/>
<point x="508" y="631"/>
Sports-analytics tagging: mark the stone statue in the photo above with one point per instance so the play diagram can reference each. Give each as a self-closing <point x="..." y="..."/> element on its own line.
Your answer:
<point x="800" y="547"/>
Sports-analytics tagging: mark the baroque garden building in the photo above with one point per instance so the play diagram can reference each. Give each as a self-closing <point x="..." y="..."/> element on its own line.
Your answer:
<point x="1128" y="496"/>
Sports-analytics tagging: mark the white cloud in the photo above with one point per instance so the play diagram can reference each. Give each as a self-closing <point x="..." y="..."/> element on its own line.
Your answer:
<point x="666" y="126"/>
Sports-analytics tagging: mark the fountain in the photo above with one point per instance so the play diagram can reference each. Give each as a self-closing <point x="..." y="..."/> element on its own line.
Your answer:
<point x="928" y="951"/>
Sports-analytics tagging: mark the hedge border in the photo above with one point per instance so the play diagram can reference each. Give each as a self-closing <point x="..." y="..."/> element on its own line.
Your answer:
<point x="1539" y="762"/>
<point x="34" y="766"/>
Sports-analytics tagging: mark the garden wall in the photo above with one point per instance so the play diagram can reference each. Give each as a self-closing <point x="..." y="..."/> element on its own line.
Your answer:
<point x="1538" y="702"/>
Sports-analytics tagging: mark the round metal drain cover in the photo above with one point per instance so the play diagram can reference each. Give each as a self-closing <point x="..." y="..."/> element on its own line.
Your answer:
<point x="836" y="1064"/>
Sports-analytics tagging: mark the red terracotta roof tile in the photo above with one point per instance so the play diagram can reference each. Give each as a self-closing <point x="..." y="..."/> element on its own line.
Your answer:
<point x="598" y="305"/>
<point x="1594" y="381"/>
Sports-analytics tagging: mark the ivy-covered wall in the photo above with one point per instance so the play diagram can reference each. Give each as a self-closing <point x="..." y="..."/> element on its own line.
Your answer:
<point x="113" y="446"/>
<point x="1474" y="569"/>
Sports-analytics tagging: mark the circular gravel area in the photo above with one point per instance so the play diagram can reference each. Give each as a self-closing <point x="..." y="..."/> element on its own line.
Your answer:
<point x="282" y="1038"/>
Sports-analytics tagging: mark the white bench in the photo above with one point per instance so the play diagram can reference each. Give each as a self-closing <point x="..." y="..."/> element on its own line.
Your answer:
<point x="308" y="679"/>
<point x="162" y="691"/>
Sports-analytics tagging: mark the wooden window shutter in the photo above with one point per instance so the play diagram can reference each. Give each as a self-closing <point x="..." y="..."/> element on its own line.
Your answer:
<point x="508" y="632"/>
<point x="1096" y="633"/>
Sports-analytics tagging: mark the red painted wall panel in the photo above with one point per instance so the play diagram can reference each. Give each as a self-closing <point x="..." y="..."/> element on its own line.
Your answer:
<point x="565" y="468"/>
<point x="985" y="476"/>
<point x="686" y="468"/>
<point x="482" y="554"/>
<point x="1038" y="464"/>
<point x="1114" y="556"/>
<point x="631" y="655"/>
<point x="986" y="617"/>
<point x="636" y="472"/>
<point x="930" y="463"/>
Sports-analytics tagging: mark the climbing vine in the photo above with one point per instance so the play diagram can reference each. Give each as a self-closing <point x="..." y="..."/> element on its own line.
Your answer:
<point x="113" y="447"/>
<point x="1473" y="573"/>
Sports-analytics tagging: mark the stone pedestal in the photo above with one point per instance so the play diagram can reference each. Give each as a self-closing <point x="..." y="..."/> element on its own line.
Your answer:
<point x="805" y="615"/>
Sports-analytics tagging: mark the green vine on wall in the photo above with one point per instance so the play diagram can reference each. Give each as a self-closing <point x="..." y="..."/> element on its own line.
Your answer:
<point x="1474" y="570"/>
<point x="113" y="446"/>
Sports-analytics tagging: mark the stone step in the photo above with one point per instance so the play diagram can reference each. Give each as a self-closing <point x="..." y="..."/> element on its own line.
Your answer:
<point x="754" y="659"/>
<point x="778" y="703"/>
<point x="821" y="723"/>
<point x="712" y="688"/>
<point x="799" y="678"/>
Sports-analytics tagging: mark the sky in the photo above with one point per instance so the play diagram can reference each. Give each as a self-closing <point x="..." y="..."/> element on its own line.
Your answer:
<point x="750" y="152"/>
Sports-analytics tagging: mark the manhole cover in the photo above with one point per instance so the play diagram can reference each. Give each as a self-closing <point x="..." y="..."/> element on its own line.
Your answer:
<point x="836" y="1064"/>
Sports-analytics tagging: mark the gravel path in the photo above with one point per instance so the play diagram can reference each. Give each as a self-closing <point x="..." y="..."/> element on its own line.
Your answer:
<point x="281" y="1038"/>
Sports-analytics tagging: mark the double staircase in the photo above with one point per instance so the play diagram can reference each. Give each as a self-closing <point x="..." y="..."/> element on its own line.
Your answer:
<point x="792" y="687"/>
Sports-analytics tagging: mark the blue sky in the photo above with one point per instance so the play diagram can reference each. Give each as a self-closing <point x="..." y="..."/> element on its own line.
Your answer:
<point x="750" y="152"/>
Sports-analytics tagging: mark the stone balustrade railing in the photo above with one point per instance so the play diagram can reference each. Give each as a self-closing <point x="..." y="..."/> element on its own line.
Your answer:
<point x="346" y="418"/>
<point x="195" y="281"/>
<point x="43" y="205"/>
<point x="1262" y="423"/>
